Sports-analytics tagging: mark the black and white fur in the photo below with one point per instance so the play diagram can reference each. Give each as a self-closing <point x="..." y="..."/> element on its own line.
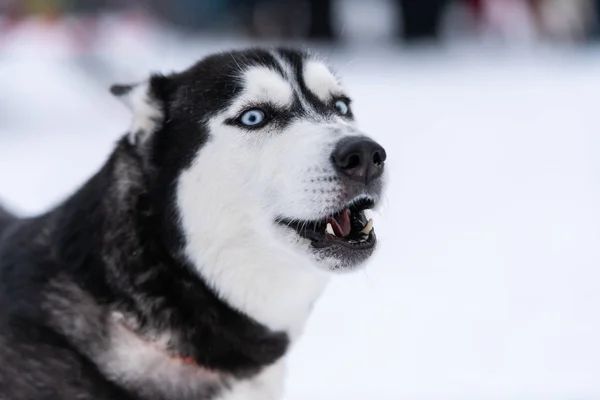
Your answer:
<point x="175" y="272"/>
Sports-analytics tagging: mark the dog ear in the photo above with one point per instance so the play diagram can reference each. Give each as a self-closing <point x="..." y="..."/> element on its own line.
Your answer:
<point x="147" y="101"/>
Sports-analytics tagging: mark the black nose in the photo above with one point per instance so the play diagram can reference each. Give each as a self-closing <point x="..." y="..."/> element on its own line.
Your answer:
<point x="359" y="158"/>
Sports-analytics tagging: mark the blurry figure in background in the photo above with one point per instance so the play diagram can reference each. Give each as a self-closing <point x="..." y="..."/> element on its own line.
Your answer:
<point x="421" y="20"/>
<point x="572" y="20"/>
<point x="275" y="18"/>
<point x="596" y="27"/>
<point x="531" y="20"/>
<point x="417" y="20"/>
<point x="475" y="5"/>
<point x="312" y="19"/>
<point x="511" y="21"/>
<point x="320" y="20"/>
<point x="198" y="15"/>
<point x="83" y="25"/>
<point x="50" y="9"/>
<point x="11" y="11"/>
<point x="85" y="19"/>
<point x="315" y="19"/>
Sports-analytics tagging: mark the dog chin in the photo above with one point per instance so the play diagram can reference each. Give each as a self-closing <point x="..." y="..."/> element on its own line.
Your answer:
<point x="339" y="263"/>
<point x="342" y="263"/>
<point x="332" y="259"/>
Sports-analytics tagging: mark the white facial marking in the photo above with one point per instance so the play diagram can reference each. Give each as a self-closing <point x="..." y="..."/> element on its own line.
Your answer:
<point x="320" y="80"/>
<point x="263" y="85"/>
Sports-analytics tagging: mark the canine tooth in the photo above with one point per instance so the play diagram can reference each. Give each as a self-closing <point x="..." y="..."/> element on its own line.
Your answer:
<point x="329" y="229"/>
<point x="368" y="227"/>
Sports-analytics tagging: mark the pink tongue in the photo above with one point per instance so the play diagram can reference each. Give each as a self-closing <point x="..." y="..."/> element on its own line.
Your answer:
<point x="341" y="224"/>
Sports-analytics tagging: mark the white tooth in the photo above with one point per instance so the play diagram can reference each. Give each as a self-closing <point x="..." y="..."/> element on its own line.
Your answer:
<point x="368" y="228"/>
<point x="329" y="229"/>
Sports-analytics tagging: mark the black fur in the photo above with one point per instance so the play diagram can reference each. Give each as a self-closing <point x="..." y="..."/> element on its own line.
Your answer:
<point x="116" y="245"/>
<point x="71" y="246"/>
<point x="5" y="219"/>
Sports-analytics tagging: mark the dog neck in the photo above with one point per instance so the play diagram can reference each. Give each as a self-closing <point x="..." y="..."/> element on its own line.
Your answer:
<point x="110" y="244"/>
<point x="277" y="293"/>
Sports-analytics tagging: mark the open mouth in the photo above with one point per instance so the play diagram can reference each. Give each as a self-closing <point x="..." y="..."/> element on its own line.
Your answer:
<point x="348" y="227"/>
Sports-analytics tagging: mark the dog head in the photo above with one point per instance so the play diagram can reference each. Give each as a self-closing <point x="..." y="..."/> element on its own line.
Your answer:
<point x="258" y="150"/>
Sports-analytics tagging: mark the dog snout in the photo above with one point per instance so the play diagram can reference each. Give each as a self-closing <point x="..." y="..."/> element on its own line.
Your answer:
<point x="359" y="158"/>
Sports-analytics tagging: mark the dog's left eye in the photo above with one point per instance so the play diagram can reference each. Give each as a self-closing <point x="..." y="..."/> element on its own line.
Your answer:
<point x="252" y="117"/>
<point x="342" y="106"/>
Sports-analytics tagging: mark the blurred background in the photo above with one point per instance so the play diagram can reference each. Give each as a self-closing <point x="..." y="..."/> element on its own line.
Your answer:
<point x="487" y="281"/>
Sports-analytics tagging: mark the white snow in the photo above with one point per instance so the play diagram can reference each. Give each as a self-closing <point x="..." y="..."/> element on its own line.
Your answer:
<point x="487" y="282"/>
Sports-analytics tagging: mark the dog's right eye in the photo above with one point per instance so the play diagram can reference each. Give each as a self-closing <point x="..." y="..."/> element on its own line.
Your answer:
<point x="252" y="118"/>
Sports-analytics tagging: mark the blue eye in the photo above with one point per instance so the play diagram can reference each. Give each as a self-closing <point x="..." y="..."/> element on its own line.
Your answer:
<point x="252" y="117"/>
<point x="342" y="106"/>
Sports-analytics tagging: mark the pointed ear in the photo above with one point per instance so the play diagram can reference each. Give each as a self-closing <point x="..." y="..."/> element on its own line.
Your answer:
<point x="147" y="101"/>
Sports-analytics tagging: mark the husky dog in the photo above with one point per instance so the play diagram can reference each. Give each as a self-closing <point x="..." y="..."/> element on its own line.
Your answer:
<point x="187" y="266"/>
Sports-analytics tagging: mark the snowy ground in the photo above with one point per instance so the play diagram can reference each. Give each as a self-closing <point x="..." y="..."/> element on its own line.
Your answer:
<point x="486" y="285"/>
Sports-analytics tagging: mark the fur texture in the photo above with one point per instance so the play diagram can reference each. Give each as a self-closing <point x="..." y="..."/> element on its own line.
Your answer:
<point x="5" y="219"/>
<point x="187" y="266"/>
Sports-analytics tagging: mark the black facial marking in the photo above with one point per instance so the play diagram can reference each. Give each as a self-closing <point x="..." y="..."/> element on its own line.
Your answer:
<point x="297" y="61"/>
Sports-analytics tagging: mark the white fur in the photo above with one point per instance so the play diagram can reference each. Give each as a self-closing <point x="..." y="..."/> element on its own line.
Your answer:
<point x="321" y="81"/>
<point x="146" y="111"/>
<point x="145" y="363"/>
<point x="264" y="85"/>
